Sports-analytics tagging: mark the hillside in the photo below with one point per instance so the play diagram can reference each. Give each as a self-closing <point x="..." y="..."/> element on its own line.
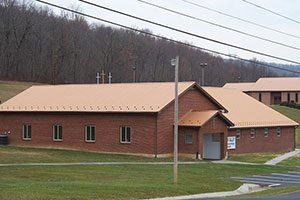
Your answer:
<point x="38" y="43"/>
<point x="292" y="113"/>
<point x="8" y="89"/>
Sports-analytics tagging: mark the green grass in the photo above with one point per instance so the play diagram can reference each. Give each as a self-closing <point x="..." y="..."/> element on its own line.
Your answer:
<point x="8" y="89"/>
<point x="291" y="113"/>
<point x="120" y="181"/>
<point x="273" y="191"/>
<point x="13" y="154"/>
<point x="253" y="157"/>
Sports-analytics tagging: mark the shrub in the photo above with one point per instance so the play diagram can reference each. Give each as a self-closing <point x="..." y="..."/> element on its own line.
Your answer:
<point x="290" y="104"/>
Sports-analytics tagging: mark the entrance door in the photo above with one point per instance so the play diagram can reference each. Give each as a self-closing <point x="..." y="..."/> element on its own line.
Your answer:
<point x="212" y="146"/>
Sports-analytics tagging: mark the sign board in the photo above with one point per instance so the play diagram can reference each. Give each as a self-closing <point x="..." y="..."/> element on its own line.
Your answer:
<point x="231" y="143"/>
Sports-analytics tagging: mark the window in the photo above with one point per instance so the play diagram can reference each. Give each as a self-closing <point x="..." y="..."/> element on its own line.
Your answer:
<point x="289" y="97"/>
<point x="125" y="134"/>
<point x="57" y="133"/>
<point x="90" y="133"/>
<point x="188" y="138"/>
<point x="238" y="133"/>
<point x="252" y="133"/>
<point x="296" y="97"/>
<point x="259" y="96"/>
<point x="278" y="131"/>
<point x="26" y="132"/>
<point x="214" y="122"/>
<point x="266" y="132"/>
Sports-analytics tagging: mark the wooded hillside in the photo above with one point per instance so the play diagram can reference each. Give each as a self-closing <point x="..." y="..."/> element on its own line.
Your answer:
<point x="32" y="39"/>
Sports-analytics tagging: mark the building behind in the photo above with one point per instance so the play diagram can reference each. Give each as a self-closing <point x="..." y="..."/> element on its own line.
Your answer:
<point x="271" y="91"/>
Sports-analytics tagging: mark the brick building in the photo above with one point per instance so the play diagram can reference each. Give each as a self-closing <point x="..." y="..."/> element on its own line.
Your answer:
<point x="271" y="91"/>
<point x="137" y="118"/>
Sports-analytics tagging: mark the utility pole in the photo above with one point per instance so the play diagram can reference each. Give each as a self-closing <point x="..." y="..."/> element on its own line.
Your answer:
<point x="54" y="70"/>
<point x="102" y="75"/>
<point x="98" y="78"/>
<point x="175" y="62"/>
<point x="134" y="74"/>
<point x="109" y="77"/>
<point x="202" y="65"/>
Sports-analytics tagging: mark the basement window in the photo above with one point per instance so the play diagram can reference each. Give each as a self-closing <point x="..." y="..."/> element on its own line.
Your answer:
<point x="57" y="132"/>
<point x="26" y="132"/>
<point x="278" y="131"/>
<point x="238" y="133"/>
<point x="266" y="132"/>
<point x="188" y="138"/>
<point x="125" y="134"/>
<point x="90" y="133"/>
<point x="252" y="135"/>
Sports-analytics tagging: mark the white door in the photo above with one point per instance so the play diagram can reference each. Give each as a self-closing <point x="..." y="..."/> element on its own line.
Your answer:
<point x="212" y="146"/>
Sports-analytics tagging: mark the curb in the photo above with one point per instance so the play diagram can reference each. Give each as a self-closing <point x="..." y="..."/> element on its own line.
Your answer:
<point x="244" y="189"/>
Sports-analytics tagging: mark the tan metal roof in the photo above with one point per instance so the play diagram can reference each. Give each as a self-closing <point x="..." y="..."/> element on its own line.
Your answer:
<point x="277" y="84"/>
<point x="197" y="118"/>
<point x="123" y="97"/>
<point x="244" y="111"/>
<point x="241" y="86"/>
<point x="268" y="84"/>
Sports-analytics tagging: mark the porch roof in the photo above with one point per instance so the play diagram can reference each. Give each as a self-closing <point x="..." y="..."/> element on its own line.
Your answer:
<point x="197" y="118"/>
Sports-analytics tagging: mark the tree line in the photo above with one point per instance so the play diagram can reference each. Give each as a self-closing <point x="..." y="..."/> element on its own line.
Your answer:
<point x="39" y="46"/>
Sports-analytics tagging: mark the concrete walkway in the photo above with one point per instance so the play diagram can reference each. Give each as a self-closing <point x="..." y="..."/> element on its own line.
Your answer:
<point x="283" y="157"/>
<point x="244" y="189"/>
<point x="98" y="163"/>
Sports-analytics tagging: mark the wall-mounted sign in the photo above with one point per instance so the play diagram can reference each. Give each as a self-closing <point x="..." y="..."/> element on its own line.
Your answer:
<point x="231" y="143"/>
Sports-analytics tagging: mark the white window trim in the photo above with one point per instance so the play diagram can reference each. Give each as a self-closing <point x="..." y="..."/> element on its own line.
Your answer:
<point x="53" y="133"/>
<point x="125" y="134"/>
<point x="238" y="133"/>
<point x="23" y="134"/>
<point x="85" y="133"/>
<point x="185" y="139"/>
<point x="266" y="130"/>
<point x="251" y="133"/>
<point x="279" y="132"/>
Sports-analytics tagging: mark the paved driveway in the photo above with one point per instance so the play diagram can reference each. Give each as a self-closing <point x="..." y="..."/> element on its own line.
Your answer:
<point x="292" y="196"/>
<point x="276" y="179"/>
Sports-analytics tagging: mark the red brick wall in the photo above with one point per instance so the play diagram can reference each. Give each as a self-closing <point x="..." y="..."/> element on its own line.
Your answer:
<point x="187" y="148"/>
<point x="265" y="97"/>
<point x="107" y="131"/>
<point x="260" y="143"/>
<point x="192" y="99"/>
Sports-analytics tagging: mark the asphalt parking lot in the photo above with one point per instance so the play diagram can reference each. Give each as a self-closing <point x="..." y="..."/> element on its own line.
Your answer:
<point x="291" y="178"/>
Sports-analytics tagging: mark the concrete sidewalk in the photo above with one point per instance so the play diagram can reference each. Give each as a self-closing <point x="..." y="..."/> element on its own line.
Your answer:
<point x="98" y="163"/>
<point x="244" y="189"/>
<point x="283" y="157"/>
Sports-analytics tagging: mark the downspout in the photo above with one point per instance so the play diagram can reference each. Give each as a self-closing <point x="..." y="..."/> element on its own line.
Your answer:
<point x="156" y="151"/>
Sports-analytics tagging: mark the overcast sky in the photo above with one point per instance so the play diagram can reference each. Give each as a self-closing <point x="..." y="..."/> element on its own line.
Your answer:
<point x="290" y="8"/>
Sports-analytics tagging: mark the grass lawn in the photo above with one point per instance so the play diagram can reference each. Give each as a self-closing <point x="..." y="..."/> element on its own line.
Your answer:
<point x="8" y="89"/>
<point x="292" y="113"/>
<point x="253" y="157"/>
<point x="120" y="181"/>
<point x="12" y="154"/>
